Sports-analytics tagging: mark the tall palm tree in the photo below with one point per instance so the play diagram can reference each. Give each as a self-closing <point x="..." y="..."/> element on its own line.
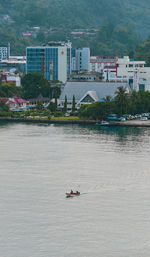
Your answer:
<point x="108" y="104"/>
<point x="134" y="97"/>
<point x="121" y="99"/>
<point x="107" y="99"/>
<point x="73" y="104"/>
<point x="65" y="104"/>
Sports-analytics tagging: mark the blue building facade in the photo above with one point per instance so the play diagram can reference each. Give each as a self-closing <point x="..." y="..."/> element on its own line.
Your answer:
<point x="53" y="62"/>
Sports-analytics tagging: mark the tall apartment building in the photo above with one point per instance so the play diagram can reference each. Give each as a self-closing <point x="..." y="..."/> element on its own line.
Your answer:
<point x="81" y="59"/>
<point x="4" y="51"/>
<point x="52" y="60"/>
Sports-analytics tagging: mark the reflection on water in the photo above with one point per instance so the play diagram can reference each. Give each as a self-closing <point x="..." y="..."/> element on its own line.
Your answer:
<point x="120" y="131"/>
<point x="110" y="165"/>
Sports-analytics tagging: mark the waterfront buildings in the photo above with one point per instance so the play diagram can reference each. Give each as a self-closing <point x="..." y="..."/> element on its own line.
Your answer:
<point x="40" y="99"/>
<point x="88" y="92"/>
<point x="135" y="71"/>
<point x="122" y="69"/>
<point x="15" y="102"/>
<point x="53" y="60"/>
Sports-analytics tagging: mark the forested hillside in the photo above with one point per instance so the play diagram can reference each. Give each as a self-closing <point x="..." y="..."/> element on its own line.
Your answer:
<point x="119" y="24"/>
<point x="143" y="52"/>
<point x="81" y="13"/>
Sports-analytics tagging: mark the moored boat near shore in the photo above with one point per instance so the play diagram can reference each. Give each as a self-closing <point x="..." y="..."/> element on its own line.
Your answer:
<point x="103" y="123"/>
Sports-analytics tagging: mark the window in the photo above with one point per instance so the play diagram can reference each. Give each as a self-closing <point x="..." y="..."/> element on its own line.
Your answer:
<point x="142" y="87"/>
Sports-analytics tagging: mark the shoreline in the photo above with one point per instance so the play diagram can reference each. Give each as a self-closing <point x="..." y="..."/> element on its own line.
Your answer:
<point x="129" y="123"/>
<point x="132" y="123"/>
<point x="50" y="121"/>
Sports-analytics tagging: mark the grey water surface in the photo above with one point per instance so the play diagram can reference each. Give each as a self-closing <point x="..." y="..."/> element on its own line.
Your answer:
<point x="109" y="166"/>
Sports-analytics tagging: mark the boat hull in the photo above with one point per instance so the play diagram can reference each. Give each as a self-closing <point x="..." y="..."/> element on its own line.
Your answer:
<point x="72" y="194"/>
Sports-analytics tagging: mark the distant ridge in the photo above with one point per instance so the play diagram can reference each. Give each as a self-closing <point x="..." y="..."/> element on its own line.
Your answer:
<point x="120" y="25"/>
<point x="80" y="13"/>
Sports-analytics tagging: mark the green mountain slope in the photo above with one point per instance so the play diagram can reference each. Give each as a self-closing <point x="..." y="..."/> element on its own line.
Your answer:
<point x="143" y="52"/>
<point x="120" y="23"/>
<point x="79" y="13"/>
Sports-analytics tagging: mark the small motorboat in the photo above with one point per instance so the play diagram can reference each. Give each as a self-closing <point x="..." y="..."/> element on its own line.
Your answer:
<point x="72" y="194"/>
<point x="103" y="123"/>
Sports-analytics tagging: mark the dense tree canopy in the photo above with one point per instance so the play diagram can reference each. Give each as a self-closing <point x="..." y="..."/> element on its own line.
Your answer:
<point x="123" y="103"/>
<point x="9" y="90"/>
<point x="78" y="14"/>
<point x="143" y="52"/>
<point x="34" y="85"/>
<point x="116" y="34"/>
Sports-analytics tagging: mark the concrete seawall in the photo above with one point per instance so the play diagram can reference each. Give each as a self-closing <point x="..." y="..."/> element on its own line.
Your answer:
<point x="131" y="123"/>
<point x="50" y="121"/>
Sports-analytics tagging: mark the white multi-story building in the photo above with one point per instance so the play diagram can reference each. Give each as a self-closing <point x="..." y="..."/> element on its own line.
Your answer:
<point x="4" y="51"/>
<point x="95" y="65"/>
<point x="134" y="70"/>
<point x="81" y="59"/>
<point x="104" y="64"/>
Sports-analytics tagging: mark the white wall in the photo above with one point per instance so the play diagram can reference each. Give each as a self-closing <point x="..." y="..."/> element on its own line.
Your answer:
<point x="14" y="78"/>
<point x="62" y="64"/>
<point x="83" y="59"/>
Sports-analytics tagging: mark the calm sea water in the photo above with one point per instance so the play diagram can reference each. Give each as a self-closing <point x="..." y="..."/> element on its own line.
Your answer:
<point x="110" y="166"/>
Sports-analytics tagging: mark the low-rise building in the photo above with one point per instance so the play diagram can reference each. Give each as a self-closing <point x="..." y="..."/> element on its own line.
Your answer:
<point x="106" y="64"/>
<point x="15" y="102"/>
<point x="14" y="63"/>
<point x="86" y="76"/>
<point x="11" y="78"/>
<point x="32" y="103"/>
<point x="88" y="92"/>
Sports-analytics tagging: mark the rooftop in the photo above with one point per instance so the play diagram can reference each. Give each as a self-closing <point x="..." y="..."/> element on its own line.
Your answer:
<point x="79" y="89"/>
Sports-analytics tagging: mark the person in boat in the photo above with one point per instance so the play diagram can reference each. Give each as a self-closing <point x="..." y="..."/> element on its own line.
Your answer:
<point x="71" y="192"/>
<point x="77" y="192"/>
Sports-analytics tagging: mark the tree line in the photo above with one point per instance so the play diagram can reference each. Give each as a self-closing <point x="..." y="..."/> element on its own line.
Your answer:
<point x="123" y="103"/>
<point x="32" y="86"/>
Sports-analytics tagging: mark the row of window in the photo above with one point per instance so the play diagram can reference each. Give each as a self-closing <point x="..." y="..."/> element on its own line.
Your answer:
<point x="46" y="74"/>
<point x="47" y="62"/>
<point x="34" y="56"/>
